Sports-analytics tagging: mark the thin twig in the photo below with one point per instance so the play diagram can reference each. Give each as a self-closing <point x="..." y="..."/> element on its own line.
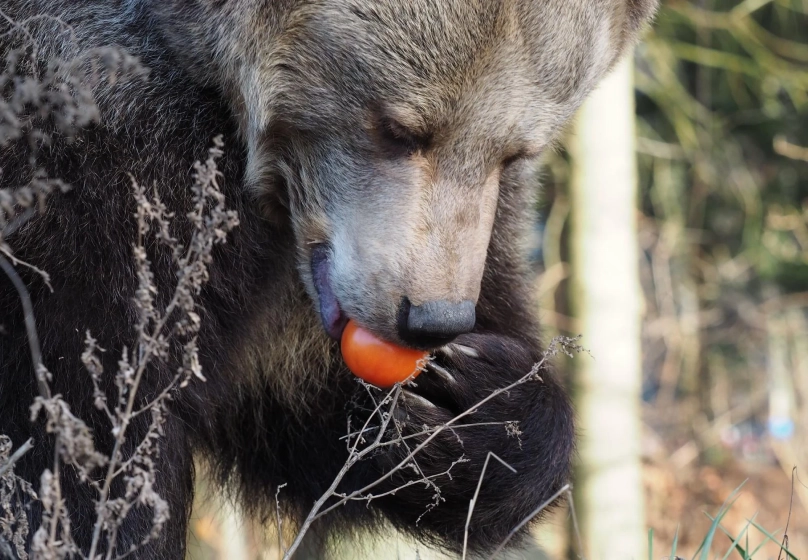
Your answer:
<point x="18" y="262"/>
<point x="424" y="432"/>
<point x="278" y="517"/>
<point x="353" y="458"/>
<point x="440" y="429"/>
<point x="30" y="325"/>
<point x="473" y="501"/>
<point x="784" y="542"/>
<point x="18" y="221"/>
<point x="21" y="450"/>
<point x="317" y="510"/>
<point x="575" y="526"/>
<point x="526" y="520"/>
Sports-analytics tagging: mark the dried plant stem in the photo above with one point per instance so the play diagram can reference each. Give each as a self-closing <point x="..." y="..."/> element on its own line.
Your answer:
<point x="566" y="488"/>
<point x="353" y="458"/>
<point x="112" y="469"/>
<point x="17" y="222"/>
<point x="104" y="495"/>
<point x="71" y="85"/>
<point x="473" y="501"/>
<point x="575" y="526"/>
<point x="427" y="431"/>
<point x="318" y="510"/>
<point x="438" y="430"/>
<point x="151" y="343"/>
<point x="21" y="450"/>
<point x="144" y="358"/>
<point x="57" y="484"/>
<point x="17" y="262"/>
<point x="278" y="519"/>
<point x="30" y="325"/>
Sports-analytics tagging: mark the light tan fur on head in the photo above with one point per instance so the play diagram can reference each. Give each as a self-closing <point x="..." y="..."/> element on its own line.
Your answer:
<point x="385" y="129"/>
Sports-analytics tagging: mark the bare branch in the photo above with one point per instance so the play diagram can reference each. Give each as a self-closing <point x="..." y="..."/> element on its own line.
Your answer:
<point x="21" y="450"/>
<point x="527" y="519"/>
<point x="30" y="325"/>
<point x="473" y="501"/>
<point x="558" y="345"/>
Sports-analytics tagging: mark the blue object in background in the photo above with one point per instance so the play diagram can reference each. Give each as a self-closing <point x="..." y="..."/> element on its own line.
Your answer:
<point x="781" y="427"/>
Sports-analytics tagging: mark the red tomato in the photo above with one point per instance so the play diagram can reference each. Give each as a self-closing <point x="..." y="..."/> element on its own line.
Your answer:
<point x="377" y="361"/>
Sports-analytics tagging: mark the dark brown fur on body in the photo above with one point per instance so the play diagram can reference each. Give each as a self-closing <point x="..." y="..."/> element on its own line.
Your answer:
<point x="397" y="135"/>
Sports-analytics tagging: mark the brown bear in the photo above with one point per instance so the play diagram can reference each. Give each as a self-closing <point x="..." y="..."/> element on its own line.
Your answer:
<point x="378" y="153"/>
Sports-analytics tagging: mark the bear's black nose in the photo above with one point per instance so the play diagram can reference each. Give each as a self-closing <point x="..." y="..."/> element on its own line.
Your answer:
<point x="434" y="323"/>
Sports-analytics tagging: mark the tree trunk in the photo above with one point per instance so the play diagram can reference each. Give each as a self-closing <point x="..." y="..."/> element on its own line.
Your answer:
<point x="606" y="299"/>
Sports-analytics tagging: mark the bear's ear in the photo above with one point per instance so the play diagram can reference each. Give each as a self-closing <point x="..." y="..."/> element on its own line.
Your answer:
<point x="640" y="13"/>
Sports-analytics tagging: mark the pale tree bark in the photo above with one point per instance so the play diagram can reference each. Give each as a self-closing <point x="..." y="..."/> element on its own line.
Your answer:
<point x="606" y="299"/>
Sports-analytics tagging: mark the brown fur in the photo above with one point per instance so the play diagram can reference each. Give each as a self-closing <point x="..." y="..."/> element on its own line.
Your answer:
<point x="397" y="136"/>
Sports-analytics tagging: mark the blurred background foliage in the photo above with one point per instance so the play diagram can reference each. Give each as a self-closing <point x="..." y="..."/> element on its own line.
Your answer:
<point x="722" y="141"/>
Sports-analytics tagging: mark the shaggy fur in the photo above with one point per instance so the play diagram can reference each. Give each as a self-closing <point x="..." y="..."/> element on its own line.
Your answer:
<point x="395" y="134"/>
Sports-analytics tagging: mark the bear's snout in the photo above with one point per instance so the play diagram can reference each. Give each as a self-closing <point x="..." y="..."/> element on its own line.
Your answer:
<point x="343" y="294"/>
<point x="434" y="323"/>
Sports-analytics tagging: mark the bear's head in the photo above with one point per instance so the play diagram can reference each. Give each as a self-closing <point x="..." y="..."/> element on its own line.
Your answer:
<point x="387" y="131"/>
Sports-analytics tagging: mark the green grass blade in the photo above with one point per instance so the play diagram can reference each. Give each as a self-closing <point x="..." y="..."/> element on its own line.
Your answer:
<point x="651" y="544"/>
<point x="720" y="528"/>
<point x="774" y="540"/>
<point x="735" y="546"/>
<point x="675" y="543"/>
<point x="706" y="543"/>
<point x="758" y="547"/>
<point x="704" y="548"/>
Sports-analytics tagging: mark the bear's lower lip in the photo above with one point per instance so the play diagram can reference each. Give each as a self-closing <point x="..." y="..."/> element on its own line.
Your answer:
<point x="334" y="320"/>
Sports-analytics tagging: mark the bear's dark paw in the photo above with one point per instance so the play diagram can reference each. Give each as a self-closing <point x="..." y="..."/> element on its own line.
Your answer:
<point x="458" y="412"/>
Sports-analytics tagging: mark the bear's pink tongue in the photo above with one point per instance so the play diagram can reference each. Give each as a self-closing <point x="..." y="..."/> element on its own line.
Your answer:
<point x="333" y="318"/>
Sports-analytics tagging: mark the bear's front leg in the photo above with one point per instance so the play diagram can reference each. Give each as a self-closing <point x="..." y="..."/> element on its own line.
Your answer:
<point x="460" y="403"/>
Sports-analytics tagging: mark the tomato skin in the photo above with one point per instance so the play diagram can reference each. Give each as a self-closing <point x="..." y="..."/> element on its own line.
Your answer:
<point x="377" y="361"/>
